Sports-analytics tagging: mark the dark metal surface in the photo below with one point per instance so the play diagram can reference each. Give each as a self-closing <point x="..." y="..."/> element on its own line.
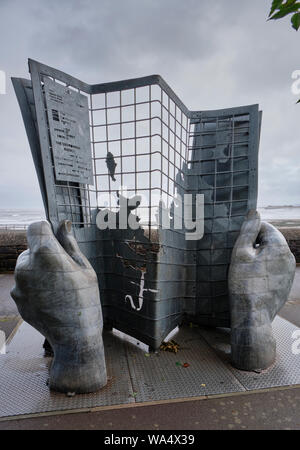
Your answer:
<point x="223" y="165"/>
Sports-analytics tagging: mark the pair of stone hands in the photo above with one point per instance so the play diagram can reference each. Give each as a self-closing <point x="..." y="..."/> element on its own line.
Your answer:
<point x="57" y="293"/>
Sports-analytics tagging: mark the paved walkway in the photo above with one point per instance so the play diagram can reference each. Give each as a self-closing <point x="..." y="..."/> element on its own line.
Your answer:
<point x="9" y="312"/>
<point x="277" y="408"/>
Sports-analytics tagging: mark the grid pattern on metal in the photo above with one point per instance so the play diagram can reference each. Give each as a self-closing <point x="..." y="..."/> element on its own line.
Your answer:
<point x="134" y="376"/>
<point x="220" y="167"/>
<point x="144" y="134"/>
<point x="139" y="141"/>
<point x="139" y="138"/>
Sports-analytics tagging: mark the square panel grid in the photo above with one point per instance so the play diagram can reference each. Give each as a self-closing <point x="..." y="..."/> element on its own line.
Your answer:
<point x="139" y="139"/>
<point x="139" y="143"/>
<point x="219" y="169"/>
<point x="143" y="133"/>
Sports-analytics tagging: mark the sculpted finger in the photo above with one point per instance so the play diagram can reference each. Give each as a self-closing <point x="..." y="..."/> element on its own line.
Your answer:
<point x="45" y="250"/>
<point x="270" y="237"/>
<point x="41" y="239"/>
<point x="274" y="254"/>
<point x="245" y="244"/>
<point x="69" y="243"/>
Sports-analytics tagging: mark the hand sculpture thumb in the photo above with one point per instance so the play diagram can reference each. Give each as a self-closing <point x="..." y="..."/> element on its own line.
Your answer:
<point x="260" y="277"/>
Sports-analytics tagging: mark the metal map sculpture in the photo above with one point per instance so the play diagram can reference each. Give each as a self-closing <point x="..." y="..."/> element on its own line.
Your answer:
<point x="88" y="141"/>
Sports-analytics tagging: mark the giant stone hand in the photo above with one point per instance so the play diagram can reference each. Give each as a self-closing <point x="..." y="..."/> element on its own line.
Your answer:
<point x="57" y="293"/>
<point x="261" y="275"/>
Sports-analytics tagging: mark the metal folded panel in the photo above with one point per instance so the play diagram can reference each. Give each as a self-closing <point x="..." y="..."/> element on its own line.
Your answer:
<point x="223" y="162"/>
<point x="142" y="137"/>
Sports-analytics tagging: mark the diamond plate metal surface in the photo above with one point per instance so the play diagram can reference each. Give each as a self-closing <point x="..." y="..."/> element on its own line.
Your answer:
<point x="160" y="376"/>
<point x="137" y="376"/>
<point x="284" y="372"/>
<point x="24" y="372"/>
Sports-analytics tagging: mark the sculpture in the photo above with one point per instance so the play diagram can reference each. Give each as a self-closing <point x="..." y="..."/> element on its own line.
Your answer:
<point x="57" y="293"/>
<point x="87" y="141"/>
<point x="260" y="278"/>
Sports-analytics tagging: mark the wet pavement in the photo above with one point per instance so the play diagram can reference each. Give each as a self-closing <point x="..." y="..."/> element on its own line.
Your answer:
<point x="276" y="409"/>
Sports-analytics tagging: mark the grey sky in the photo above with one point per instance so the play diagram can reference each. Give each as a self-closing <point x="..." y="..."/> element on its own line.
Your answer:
<point x="214" y="54"/>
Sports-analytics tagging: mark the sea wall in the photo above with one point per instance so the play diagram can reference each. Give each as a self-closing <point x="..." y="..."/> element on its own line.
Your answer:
<point x="292" y="236"/>
<point x="12" y="243"/>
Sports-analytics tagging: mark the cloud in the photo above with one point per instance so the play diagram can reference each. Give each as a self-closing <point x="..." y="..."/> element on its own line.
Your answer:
<point x="213" y="54"/>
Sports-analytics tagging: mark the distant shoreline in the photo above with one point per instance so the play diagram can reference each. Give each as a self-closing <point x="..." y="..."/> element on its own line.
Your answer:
<point x="284" y="223"/>
<point x="286" y="216"/>
<point x="278" y="207"/>
<point x="278" y="223"/>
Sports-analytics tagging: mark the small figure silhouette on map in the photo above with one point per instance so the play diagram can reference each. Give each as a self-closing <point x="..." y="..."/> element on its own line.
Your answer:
<point x="111" y="165"/>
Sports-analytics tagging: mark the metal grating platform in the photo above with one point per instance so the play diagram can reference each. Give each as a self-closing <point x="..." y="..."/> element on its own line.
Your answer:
<point x="285" y="371"/>
<point x="160" y="378"/>
<point x="135" y="377"/>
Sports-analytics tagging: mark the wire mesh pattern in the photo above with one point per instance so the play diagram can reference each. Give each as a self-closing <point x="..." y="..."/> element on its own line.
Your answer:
<point x="145" y="135"/>
<point x="219" y="168"/>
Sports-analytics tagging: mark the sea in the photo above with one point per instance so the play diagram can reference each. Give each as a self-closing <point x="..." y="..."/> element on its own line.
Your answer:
<point x="21" y="218"/>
